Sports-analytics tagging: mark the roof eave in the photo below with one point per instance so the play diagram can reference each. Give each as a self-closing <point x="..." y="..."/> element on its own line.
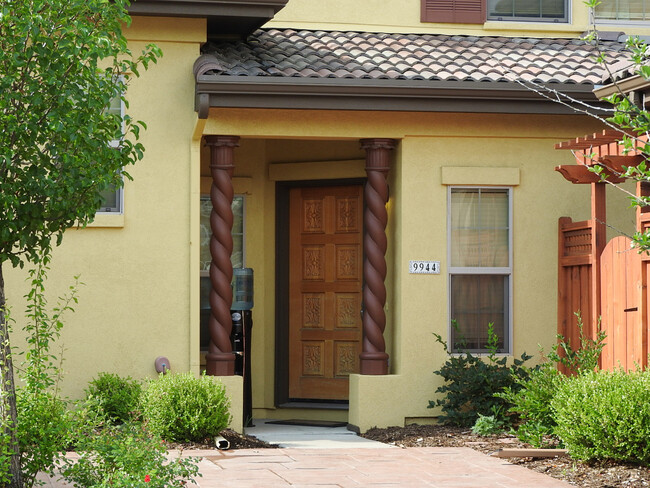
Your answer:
<point x="627" y="85"/>
<point x="380" y="95"/>
<point x="225" y="17"/>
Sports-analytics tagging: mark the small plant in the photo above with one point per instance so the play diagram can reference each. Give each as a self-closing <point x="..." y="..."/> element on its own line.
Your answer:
<point x="126" y="456"/>
<point x="585" y="357"/>
<point x="605" y="415"/>
<point x="471" y="382"/>
<point x="116" y="397"/>
<point x="181" y="407"/>
<point x="487" y="425"/>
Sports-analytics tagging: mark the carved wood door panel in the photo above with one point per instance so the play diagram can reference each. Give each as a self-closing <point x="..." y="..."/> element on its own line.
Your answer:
<point x="325" y="290"/>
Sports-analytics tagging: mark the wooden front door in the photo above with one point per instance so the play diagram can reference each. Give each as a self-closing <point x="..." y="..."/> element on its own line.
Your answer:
<point x="325" y="290"/>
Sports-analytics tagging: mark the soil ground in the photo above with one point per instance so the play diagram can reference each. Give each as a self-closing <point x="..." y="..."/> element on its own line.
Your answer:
<point x="589" y="475"/>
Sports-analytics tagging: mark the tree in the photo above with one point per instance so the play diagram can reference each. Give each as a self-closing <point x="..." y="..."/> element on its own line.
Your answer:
<point x="61" y="64"/>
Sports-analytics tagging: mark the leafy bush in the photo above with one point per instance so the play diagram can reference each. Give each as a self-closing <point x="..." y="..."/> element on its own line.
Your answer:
<point x="181" y="407"/>
<point x="471" y="382"/>
<point x="605" y="415"/>
<point x="43" y="430"/>
<point x="126" y="456"/>
<point x="116" y="397"/>
<point x="531" y="401"/>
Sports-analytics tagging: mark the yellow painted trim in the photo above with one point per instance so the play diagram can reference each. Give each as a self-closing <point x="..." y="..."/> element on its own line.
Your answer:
<point x="241" y="185"/>
<point x="195" y="249"/>
<point x="107" y="220"/>
<point x="352" y="168"/>
<point x="199" y="127"/>
<point x="166" y="29"/>
<point x="459" y="175"/>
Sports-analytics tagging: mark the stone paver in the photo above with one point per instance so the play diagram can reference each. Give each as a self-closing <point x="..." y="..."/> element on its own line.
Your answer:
<point x="436" y="467"/>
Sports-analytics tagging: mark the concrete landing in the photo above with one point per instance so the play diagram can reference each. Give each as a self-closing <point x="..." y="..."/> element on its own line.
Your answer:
<point x="304" y="437"/>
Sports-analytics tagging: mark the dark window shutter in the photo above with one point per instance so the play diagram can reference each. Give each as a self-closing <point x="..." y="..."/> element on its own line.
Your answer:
<point x="454" y="11"/>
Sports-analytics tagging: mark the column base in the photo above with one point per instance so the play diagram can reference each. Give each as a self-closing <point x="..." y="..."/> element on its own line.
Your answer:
<point x="220" y="364"/>
<point x="373" y="363"/>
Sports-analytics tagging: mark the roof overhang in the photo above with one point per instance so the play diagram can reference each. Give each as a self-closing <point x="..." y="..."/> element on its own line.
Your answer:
<point x="382" y="95"/>
<point x="635" y="83"/>
<point x="235" y="18"/>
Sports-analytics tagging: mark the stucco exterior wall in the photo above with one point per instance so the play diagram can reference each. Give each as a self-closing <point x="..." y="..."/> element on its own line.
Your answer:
<point x="434" y="150"/>
<point x="135" y="304"/>
<point x="403" y="16"/>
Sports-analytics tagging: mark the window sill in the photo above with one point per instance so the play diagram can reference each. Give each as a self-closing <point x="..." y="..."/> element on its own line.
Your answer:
<point x="518" y="25"/>
<point x="107" y="220"/>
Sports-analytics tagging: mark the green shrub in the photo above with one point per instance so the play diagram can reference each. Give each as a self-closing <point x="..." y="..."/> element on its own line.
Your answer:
<point x="471" y="382"/>
<point x="43" y="430"/>
<point x="531" y="402"/>
<point x="181" y="407"/>
<point x="116" y="397"/>
<point x="605" y="415"/>
<point x="126" y="456"/>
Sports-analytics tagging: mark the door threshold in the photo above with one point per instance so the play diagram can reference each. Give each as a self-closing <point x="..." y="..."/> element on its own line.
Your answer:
<point x="315" y="405"/>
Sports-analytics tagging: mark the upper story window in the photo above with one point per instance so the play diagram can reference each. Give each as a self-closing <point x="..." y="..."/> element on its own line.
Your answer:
<point x="528" y="10"/>
<point x="623" y="10"/>
<point x="478" y="11"/>
<point x="480" y="267"/>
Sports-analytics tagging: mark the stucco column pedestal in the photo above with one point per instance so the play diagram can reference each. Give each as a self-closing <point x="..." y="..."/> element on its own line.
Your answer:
<point x="220" y="360"/>
<point x="373" y="358"/>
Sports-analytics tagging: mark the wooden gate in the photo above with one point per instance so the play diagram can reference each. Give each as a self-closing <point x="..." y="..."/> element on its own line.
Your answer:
<point x="606" y="283"/>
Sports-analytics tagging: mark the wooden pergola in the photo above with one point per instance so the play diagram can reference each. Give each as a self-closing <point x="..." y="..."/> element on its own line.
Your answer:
<point x="606" y="282"/>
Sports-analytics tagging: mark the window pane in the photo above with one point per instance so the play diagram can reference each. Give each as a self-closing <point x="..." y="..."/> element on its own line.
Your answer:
<point x="237" y="257"/>
<point x="111" y="201"/>
<point x="479" y="228"/>
<point x="622" y="10"/>
<point x="527" y="9"/>
<point x="476" y="301"/>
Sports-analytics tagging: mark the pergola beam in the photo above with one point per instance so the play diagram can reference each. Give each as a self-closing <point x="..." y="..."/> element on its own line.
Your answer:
<point x="580" y="174"/>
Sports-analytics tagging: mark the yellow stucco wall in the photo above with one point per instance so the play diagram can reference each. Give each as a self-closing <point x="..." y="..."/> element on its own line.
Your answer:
<point x="434" y="150"/>
<point x="135" y="304"/>
<point x="403" y="16"/>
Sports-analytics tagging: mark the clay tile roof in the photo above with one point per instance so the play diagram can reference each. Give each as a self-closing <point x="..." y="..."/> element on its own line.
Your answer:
<point x="344" y="55"/>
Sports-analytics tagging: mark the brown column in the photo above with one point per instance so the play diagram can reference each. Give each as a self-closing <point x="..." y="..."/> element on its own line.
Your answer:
<point x="220" y="360"/>
<point x="374" y="359"/>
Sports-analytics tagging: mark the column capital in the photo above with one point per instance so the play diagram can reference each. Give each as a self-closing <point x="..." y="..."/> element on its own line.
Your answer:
<point x="229" y="141"/>
<point x="378" y="143"/>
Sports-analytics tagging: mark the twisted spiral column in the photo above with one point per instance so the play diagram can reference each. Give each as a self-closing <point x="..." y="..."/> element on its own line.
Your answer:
<point x="220" y="360"/>
<point x="374" y="359"/>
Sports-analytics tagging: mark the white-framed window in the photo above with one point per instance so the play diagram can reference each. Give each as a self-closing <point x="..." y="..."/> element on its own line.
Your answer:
<point x="480" y="267"/>
<point x="623" y="10"/>
<point x="528" y="10"/>
<point x="112" y="197"/>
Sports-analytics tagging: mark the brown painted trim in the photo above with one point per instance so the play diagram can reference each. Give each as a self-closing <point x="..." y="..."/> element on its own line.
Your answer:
<point x="207" y="8"/>
<point x="226" y="18"/>
<point x="383" y="95"/>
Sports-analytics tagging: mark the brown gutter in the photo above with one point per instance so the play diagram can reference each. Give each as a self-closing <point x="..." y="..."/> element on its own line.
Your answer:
<point x="382" y="95"/>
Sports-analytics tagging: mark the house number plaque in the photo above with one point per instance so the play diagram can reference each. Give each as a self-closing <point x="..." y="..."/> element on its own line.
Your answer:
<point x="424" y="267"/>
